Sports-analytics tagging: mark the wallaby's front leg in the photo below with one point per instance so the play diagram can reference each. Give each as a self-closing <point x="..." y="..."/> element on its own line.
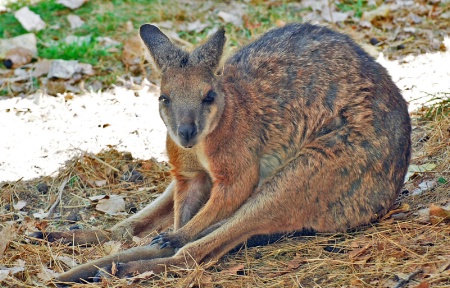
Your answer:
<point x="192" y="192"/>
<point x="226" y="197"/>
<point x="157" y="216"/>
<point x="267" y="211"/>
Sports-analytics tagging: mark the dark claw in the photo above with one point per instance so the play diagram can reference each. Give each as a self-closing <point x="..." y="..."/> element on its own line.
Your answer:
<point x="102" y="273"/>
<point x="158" y="238"/>
<point x="164" y="245"/>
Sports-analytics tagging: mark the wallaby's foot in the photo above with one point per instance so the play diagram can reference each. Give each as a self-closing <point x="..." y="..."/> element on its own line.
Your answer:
<point x="90" y="271"/>
<point x="120" y="271"/>
<point x="133" y="268"/>
<point x="167" y="239"/>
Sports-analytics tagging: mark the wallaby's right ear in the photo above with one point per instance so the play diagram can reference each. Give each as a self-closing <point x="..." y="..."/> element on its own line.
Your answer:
<point x="163" y="51"/>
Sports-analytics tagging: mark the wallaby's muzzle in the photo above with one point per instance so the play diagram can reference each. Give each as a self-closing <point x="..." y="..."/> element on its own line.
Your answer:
<point x="186" y="134"/>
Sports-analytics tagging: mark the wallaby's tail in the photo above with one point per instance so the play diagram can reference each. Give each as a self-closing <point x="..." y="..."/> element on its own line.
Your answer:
<point x="75" y="237"/>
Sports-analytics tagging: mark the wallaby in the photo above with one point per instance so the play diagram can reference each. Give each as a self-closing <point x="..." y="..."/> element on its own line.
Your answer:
<point x="299" y="130"/>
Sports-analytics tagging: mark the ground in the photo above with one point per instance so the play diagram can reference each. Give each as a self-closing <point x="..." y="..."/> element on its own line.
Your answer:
<point x="67" y="148"/>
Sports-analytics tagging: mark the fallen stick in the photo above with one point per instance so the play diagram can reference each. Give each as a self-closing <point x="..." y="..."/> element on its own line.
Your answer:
<point x="405" y="281"/>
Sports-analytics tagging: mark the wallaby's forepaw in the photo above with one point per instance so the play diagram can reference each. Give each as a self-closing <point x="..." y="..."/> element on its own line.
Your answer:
<point x="166" y="239"/>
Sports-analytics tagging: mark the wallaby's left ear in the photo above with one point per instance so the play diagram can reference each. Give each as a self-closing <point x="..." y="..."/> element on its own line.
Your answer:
<point x="209" y="53"/>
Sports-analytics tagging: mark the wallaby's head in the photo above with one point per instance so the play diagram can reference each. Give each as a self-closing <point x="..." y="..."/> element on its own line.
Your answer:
<point x="190" y="102"/>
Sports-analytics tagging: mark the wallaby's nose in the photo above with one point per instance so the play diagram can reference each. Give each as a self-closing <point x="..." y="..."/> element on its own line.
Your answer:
<point x="187" y="132"/>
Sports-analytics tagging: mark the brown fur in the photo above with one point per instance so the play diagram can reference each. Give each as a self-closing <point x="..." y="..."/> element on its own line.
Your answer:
<point x="305" y="131"/>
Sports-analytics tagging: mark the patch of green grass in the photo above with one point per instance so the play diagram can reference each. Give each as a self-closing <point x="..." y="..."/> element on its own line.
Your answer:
<point x="359" y="6"/>
<point x="441" y="107"/>
<point x="10" y="27"/>
<point x="46" y="9"/>
<point x="86" y="52"/>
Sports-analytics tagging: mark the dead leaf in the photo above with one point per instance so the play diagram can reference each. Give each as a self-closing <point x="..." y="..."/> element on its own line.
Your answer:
<point x="233" y="270"/>
<point x="41" y="68"/>
<point x="423" y="187"/>
<point x="107" y="41"/>
<point x="19" y="205"/>
<point x="295" y="263"/>
<point x="69" y="261"/>
<point x="314" y="4"/>
<point x="17" y="57"/>
<point x="29" y="20"/>
<point x="438" y="214"/>
<point x="413" y="169"/>
<point x="445" y="15"/>
<point x="195" y="26"/>
<point x="40" y="215"/>
<point x="96" y="198"/>
<point x="230" y="18"/>
<point x="72" y="4"/>
<point x="41" y="225"/>
<point x="354" y="255"/>
<point x="74" y="21"/>
<point x="147" y="165"/>
<point x="382" y="11"/>
<point x="444" y="267"/>
<point x="334" y="16"/>
<point x="111" y="204"/>
<point x="5" y="271"/>
<point x="100" y="183"/>
<point x="85" y="69"/>
<point x="63" y="69"/>
<point x="423" y="285"/>
<point x="280" y="23"/>
<point x="46" y="274"/>
<point x="27" y="41"/>
<point x="133" y="51"/>
<point x="53" y="87"/>
<point x="3" y="274"/>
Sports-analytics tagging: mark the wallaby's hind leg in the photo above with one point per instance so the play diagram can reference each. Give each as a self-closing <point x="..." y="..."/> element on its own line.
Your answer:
<point x="278" y="206"/>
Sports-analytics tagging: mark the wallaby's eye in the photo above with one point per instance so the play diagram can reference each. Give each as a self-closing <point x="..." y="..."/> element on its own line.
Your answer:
<point x="209" y="97"/>
<point x="164" y="99"/>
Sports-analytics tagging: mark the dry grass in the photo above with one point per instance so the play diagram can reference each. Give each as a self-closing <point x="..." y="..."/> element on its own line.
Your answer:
<point x="407" y="245"/>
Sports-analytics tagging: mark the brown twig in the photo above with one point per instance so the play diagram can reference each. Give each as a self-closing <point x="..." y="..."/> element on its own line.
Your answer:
<point x="58" y="199"/>
<point x="405" y="281"/>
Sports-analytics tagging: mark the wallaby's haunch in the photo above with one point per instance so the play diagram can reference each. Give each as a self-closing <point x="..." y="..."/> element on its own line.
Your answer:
<point x="301" y="129"/>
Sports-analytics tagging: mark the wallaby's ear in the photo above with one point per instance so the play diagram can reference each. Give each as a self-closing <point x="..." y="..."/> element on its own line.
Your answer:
<point x="163" y="51"/>
<point x="209" y="53"/>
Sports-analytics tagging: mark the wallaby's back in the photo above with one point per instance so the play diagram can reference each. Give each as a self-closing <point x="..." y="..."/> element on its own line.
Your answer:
<point x="307" y="91"/>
